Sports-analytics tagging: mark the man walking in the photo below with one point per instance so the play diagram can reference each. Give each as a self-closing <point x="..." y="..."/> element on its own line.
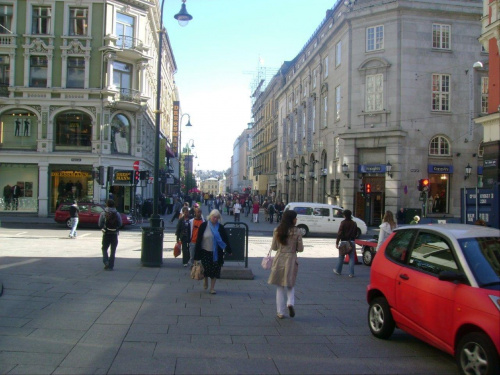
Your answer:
<point x="110" y="223"/>
<point x="73" y="214"/>
<point x="237" y="210"/>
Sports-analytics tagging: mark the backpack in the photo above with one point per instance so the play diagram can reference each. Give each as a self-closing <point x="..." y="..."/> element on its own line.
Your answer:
<point x="110" y="221"/>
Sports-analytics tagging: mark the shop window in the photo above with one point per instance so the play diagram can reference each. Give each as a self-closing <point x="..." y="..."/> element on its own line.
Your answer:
<point x="6" y="19"/>
<point x="38" y="71"/>
<point x="439" y="146"/>
<point x="73" y="129"/>
<point x="437" y="202"/>
<point x="120" y="135"/>
<point x="41" y="20"/>
<point x="78" y="21"/>
<point x="18" y="130"/>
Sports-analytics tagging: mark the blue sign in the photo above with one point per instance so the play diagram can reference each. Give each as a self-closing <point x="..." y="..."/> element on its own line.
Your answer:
<point x="441" y="169"/>
<point x="481" y="204"/>
<point x="373" y="168"/>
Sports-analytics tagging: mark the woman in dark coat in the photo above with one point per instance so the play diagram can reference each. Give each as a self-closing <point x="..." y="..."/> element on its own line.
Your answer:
<point x="211" y="244"/>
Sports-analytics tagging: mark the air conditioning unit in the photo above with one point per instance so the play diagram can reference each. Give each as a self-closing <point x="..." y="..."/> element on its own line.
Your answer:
<point x="324" y="172"/>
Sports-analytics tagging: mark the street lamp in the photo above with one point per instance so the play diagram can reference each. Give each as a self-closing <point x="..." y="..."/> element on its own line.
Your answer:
<point x="152" y="237"/>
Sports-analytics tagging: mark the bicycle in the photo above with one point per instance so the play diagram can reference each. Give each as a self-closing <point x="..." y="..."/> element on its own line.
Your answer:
<point x="136" y="217"/>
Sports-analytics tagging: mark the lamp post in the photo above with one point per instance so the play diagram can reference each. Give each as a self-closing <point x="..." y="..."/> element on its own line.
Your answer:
<point x="152" y="237"/>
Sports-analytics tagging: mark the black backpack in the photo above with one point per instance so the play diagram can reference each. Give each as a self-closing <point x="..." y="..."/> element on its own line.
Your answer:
<point x="111" y="221"/>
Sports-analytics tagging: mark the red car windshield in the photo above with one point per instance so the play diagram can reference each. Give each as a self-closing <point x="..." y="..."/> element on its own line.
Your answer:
<point x="483" y="256"/>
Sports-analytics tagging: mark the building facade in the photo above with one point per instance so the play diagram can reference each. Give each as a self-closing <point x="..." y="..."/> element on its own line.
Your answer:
<point x="378" y="99"/>
<point x="78" y="91"/>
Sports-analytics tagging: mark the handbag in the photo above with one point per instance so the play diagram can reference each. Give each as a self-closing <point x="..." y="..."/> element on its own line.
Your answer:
<point x="267" y="261"/>
<point x="345" y="248"/>
<point x="197" y="272"/>
<point x="177" y="249"/>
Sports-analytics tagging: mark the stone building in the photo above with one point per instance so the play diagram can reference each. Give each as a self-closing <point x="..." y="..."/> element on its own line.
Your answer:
<point x="378" y="98"/>
<point x="78" y="91"/>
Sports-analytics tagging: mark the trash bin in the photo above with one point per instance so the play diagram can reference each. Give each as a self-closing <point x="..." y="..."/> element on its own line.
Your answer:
<point x="152" y="246"/>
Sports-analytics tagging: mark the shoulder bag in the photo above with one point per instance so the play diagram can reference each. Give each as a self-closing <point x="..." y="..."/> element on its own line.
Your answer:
<point x="267" y="261"/>
<point x="345" y="247"/>
<point x="197" y="272"/>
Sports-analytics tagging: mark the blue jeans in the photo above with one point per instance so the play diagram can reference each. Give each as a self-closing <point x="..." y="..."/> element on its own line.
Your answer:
<point x="74" y="224"/>
<point x="352" y="259"/>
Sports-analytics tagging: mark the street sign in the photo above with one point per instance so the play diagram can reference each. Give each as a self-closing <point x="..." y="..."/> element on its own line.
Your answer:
<point x="136" y="165"/>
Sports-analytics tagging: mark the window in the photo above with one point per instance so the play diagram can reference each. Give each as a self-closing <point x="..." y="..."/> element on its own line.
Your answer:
<point x="440" y="92"/>
<point x="76" y="72"/>
<point x="78" y="21"/>
<point x="432" y="254"/>
<point x="124" y="30"/>
<point x="120" y="135"/>
<point x="4" y="70"/>
<point x="321" y="212"/>
<point x="73" y="129"/>
<point x="441" y="36"/>
<point x="326" y="67"/>
<point x="38" y="71"/>
<point x="41" y="20"/>
<point x="304" y="124"/>
<point x="439" y="146"/>
<point x="337" y="103"/>
<point x="122" y="75"/>
<point x="484" y="94"/>
<point x="337" y="147"/>
<point x="338" y="53"/>
<point x="397" y="248"/>
<point x="374" y="93"/>
<point x="314" y="78"/>
<point x="325" y="107"/>
<point x="6" y="19"/>
<point x="374" y="38"/>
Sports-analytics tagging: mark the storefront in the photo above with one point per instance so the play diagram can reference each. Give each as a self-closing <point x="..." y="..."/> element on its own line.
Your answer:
<point x="69" y="183"/>
<point x="439" y="188"/>
<point x="19" y="183"/>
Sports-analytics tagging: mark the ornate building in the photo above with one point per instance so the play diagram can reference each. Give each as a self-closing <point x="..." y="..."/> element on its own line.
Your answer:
<point x="78" y="92"/>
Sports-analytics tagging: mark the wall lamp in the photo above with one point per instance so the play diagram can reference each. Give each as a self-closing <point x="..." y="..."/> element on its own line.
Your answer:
<point x="468" y="170"/>
<point x="345" y="168"/>
<point x="388" y="166"/>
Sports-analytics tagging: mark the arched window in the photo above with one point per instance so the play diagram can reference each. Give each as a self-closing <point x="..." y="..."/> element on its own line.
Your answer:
<point x="120" y="135"/>
<point x="73" y="129"/>
<point x="439" y="146"/>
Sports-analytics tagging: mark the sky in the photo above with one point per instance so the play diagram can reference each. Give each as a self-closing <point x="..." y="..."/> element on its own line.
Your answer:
<point x="218" y="55"/>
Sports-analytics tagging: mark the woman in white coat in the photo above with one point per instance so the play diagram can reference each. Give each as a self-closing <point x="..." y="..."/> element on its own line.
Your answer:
<point x="287" y="241"/>
<point x="386" y="228"/>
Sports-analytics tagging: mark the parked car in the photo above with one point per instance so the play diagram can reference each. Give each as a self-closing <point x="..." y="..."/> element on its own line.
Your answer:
<point x="89" y="214"/>
<point x="441" y="284"/>
<point x="321" y="218"/>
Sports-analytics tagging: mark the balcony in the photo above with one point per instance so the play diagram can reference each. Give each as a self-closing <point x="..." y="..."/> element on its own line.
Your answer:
<point x="125" y="99"/>
<point x="8" y="40"/>
<point x="127" y="47"/>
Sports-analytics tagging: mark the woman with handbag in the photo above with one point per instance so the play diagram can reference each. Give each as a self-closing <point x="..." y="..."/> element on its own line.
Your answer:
<point x="347" y="232"/>
<point x="287" y="241"/>
<point x="211" y="244"/>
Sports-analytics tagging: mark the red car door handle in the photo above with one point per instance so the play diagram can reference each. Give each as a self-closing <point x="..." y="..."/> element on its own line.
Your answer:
<point x="404" y="276"/>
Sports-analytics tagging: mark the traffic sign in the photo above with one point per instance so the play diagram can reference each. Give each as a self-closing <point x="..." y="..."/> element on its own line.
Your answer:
<point x="136" y="165"/>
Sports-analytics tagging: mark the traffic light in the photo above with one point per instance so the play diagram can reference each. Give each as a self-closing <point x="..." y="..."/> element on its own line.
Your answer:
<point x="368" y="189"/>
<point x="110" y="175"/>
<point x="362" y="188"/>
<point x="423" y="184"/>
<point x="137" y="177"/>
<point x="100" y="176"/>
<point x="144" y="175"/>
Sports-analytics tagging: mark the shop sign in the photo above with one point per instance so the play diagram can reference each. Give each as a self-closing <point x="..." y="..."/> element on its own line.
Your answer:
<point x="175" y="127"/>
<point x="71" y="174"/>
<point x="440" y="169"/>
<point x="490" y="163"/>
<point x="123" y="177"/>
<point x="374" y="168"/>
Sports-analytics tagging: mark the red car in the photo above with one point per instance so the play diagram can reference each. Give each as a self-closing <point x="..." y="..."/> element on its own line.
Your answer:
<point x="441" y="283"/>
<point x="88" y="216"/>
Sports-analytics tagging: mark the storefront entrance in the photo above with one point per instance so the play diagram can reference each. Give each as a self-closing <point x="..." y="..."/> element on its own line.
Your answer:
<point x="68" y="184"/>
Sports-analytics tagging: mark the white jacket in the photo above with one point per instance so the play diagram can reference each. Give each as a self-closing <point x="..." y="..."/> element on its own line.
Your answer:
<point x="385" y="231"/>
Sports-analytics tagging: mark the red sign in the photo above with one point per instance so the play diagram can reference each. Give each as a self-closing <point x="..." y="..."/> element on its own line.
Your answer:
<point x="136" y="165"/>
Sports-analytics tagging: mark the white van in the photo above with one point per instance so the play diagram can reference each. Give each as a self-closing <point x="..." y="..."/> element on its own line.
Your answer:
<point x="321" y="218"/>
